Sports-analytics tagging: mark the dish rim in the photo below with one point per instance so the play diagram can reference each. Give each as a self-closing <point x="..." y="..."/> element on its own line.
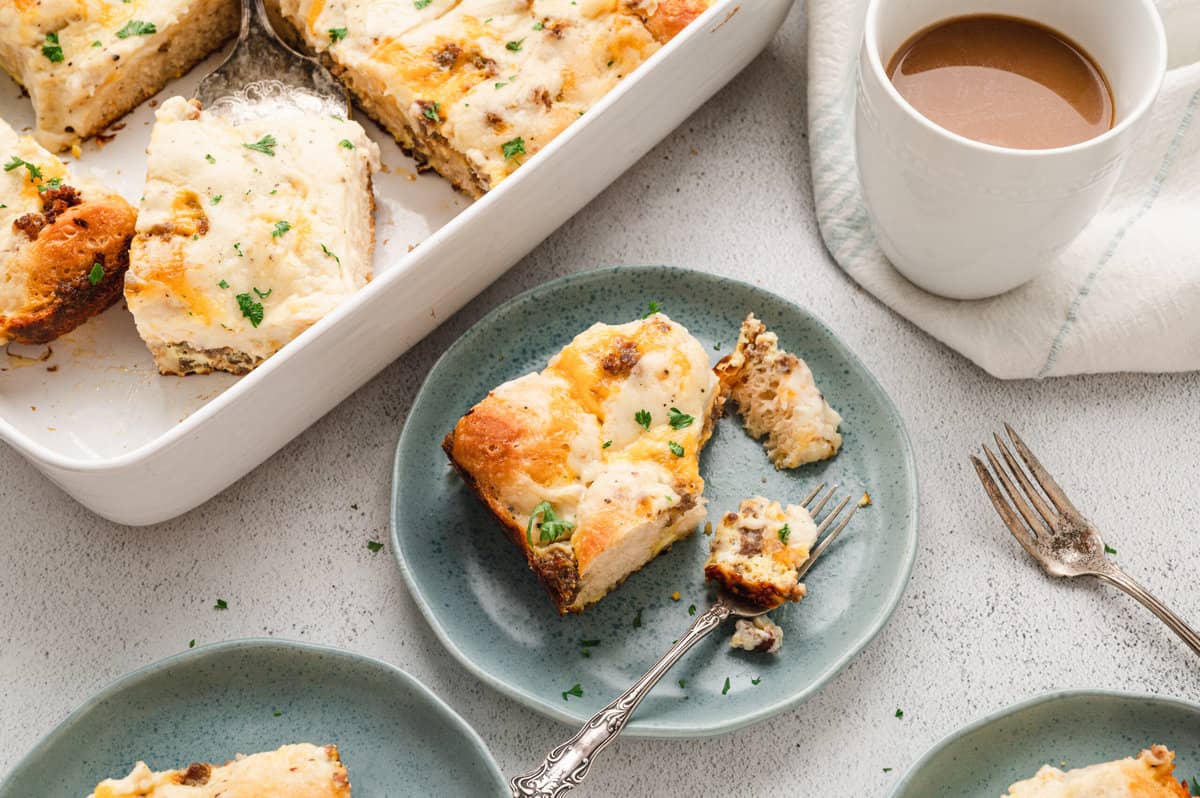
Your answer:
<point x="121" y="683"/>
<point x="1072" y="694"/>
<point x="635" y="727"/>
<point x="44" y="456"/>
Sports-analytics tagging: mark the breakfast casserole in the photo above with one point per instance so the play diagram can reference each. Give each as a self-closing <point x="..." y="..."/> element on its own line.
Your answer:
<point x="778" y="398"/>
<point x="592" y="464"/>
<point x="87" y="63"/>
<point x="293" y="771"/>
<point x="472" y="88"/>
<point x="1151" y="775"/>
<point x="247" y="234"/>
<point x="64" y="244"/>
<point x="755" y="552"/>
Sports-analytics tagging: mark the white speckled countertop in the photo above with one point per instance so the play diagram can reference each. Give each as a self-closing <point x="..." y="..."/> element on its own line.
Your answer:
<point x="83" y="601"/>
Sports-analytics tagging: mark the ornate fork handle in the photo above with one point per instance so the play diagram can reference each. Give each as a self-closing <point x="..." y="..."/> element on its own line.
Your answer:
<point x="1115" y="576"/>
<point x="566" y="766"/>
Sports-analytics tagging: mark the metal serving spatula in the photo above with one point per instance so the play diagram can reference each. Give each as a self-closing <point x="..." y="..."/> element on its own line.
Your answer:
<point x="263" y="75"/>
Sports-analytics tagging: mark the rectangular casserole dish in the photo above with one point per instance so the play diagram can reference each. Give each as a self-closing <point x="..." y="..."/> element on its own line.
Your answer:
<point x="138" y="448"/>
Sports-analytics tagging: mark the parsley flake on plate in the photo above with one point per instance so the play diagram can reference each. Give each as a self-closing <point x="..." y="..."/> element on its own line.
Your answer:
<point x="336" y="34"/>
<point x="237" y="247"/>
<point x="725" y="689"/>
<point x="551" y="526"/>
<point x="642" y="417"/>
<point x="513" y="148"/>
<point x="419" y="4"/>
<point x="281" y="227"/>
<point x="654" y="307"/>
<point x="899" y="713"/>
<point x="278" y="714"/>
<point x="35" y="172"/>
<point x="135" y="27"/>
<point x="683" y="682"/>
<point x="432" y="112"/>
<point x="784" y="533"/>
<point x="606" y="444"/>
<point x="216" y="199"/>
<point x="1109" y="549"/>
<point x="265" y="145"/>
<point x="539" y="25"/>
<point x="576" y="690"/>
<point x="223" y="284"/>
<point x="221" y="605"/>
<point x="637" y="619"/>
<point x="675" y="448"/>
<point x="678" y="419"/>
<point x="329" y="254"/>
<point x="589" y="643"/>
<point x="52" y="49"/>
<point x="250" y="309"/>
<point x="756" y="681"/>
<point x="374" y="546"/>
<point x="191" y="644"/>
<point x="515" y="46"/>
<point x="346" y="144"/>
<point x="691" y="609"/>
<point x="96" y="274"/>
<point x="209" y="158"/>
<point x="261" y="295"/>
<point x="53" y="182"/>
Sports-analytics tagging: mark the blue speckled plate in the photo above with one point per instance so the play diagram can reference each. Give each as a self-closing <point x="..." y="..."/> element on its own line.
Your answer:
<point x="1070" y="729"/>
<point x="489" y="610"/>
<point x="395" y="737"/>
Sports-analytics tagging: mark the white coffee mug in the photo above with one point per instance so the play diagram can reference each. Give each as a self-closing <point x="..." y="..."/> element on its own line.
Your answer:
<point x="968" y="220"/>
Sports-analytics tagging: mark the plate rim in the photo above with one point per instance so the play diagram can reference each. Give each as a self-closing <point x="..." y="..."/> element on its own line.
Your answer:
<point x="635" y="727"/>
<point x="140" y="674"/>
<point x="1072" y="694"/>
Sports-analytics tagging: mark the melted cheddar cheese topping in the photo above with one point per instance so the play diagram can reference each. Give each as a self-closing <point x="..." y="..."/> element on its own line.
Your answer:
<point x="1151" y="775"/>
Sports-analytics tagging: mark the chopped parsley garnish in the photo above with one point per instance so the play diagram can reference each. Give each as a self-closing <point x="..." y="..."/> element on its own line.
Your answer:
<point x="539" y="25"/>
<point x="250" y="309"/>
<point x="785" y="532"/>
<point x="899" y="713"/>
<point x="725" y="689"/>
<point x="678" y="419"/>
<point x="606" y="444"/>
<point x="1195" y="786"/>
<point x="136" y="27"/>
<point x="675" y="448"/>
<point x="654" y="308"/>
<point x="515" y="46"/>
<point x="610" y="62"/>
<point x="589" y="643"/>
<point x="887" y="770"/>
<point x="265" y="145"/>
<point x="97" y="43"/>
<point x="52" y="49"/>
<point x="501" y="85"/>
<point x="281" y="227"/>
<point x="329" y="254"/>
<point x="216" y="200"/>
<point x="576" y="691"/>
<point x="237" y="247"/>
<point x="374" y="546"/>
<point x="261" y="295"/>
<point x="637" y="619"/>
<point x="209" y="158"/>
<point x="96" y="274"/>
<point x="221" y="605"/>
<point x="278" y="714"/>
<point x="1109" y="549"/>
<point x="756" y="681"/>
<point x="337" y="34"/>
<point x="691" y="609"/>
<point x="717" y="346"/>
<point x="683" y="682"/>
<point x="53" y="182"/>
<point x="35" y="172"/>
<point x="222" y="284"/>
<point x="191" y="644"/>
<point x="642" y="417"/>
<point x="512" y="149"/>
<point x="347" y="144"/>
<point x="419" y="4"/>
<point x="551" y="526"/>
<point x="431" y="112"/>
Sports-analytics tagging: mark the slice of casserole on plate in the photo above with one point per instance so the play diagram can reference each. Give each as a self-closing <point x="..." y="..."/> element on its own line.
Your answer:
<point x="293" y="771"/>
<point x="474" y="87"/>
<point x="64" y="244"/>
<point x="87" y="63"/>
<point x="247" y="234"/>
<point x="778" y="398"/>
<point x="1151" y="775"/>
<point x="592" y="465"/>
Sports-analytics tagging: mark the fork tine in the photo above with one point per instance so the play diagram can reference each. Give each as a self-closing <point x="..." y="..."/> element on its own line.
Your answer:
<point x="824" y="499"/>
<point x="1053" y="491"/>
<point x="828" y="540"/>
<point x="1019" y="530"/>
<point x="1031" y="493"/>
<point x="1014" y="495"/>
<point x="813" y="495"/>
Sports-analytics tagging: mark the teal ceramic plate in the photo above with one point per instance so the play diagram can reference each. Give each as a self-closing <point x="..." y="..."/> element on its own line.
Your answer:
<point x="489" y="610"/>
<point x="1066" y="730"/>
<point x="395" y="737"/>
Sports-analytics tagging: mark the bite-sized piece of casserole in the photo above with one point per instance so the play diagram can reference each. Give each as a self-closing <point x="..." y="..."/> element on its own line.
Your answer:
<point x="87" y="63"/>
<point x="1151" y="775"/>
<point x="473" y="88"/>
<point x="592" y="465"/>
<point x="778" y="398"/>
<point x="294" y="771"/>
<point x="247" y="234"/>
<point x="757" y="634"/>
<point x="755" y="551"/>
<point x="64" y="244"/>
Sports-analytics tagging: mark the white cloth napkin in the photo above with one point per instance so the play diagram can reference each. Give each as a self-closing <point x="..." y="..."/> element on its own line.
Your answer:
<point x="1126" y="294"/>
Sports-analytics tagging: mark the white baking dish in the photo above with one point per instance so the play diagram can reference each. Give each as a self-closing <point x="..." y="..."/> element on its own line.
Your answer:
<point x="138" y="448"/>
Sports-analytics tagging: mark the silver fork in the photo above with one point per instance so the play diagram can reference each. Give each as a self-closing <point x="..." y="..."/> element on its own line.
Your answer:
<point x="264" y="75"/>
<point x="566" y="765"/>
<point x="1063" y="542"/>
